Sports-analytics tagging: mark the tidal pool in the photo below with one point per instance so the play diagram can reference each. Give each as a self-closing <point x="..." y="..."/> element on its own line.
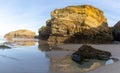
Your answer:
<point x="42" y="58"/>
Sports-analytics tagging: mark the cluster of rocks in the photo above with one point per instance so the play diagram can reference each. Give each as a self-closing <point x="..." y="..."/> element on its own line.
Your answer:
<point x="77" y="24"/>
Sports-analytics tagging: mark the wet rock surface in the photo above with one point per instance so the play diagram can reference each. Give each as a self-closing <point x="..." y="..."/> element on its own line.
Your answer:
<point x="116" y="31"/>
<point x="88" y="52"/>
<point x="4" y="47"/>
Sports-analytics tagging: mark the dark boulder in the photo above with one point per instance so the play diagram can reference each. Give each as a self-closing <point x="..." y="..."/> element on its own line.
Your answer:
<point x="88" y="52"/>
<point x="116" y="31"/>
<point x="4" y="47"/>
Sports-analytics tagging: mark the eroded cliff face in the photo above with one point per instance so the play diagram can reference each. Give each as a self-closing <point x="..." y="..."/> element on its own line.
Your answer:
<point x="75" y="24"/>
<point x="20" y="34"/>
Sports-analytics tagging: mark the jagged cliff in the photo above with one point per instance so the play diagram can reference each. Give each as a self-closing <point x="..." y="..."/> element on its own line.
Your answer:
<point x="20" y="34"/>
<point x="77" y="24"/>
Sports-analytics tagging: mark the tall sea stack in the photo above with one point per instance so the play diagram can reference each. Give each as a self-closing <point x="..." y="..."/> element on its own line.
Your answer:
<point x="76" y="24"/>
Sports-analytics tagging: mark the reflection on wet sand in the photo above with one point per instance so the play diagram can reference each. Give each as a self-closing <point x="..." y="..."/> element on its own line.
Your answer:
<point x="21" y="42"/>
<point x="12" y="58"/>
<point x="60" y="60"/>
<point x="9" y="38"/>
<point x="25" y="43"/>
<point x="65" y="64"/>
<point x="44" y="46"/>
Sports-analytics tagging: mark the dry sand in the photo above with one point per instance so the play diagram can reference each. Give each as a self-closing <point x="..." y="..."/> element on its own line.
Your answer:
<point x="113" y="48"/>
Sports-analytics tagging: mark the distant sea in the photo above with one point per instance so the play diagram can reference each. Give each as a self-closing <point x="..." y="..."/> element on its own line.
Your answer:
<point x="2" y="39"/>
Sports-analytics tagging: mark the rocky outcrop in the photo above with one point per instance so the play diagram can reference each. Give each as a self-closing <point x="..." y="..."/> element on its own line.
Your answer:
<point x="88" y="52"/>
<point x="116" y="31"/>
<point x="20" y="34"/>
<point x="44" y="32"/>
<point x="4" y="47"/>
<point x="77" y="24"/>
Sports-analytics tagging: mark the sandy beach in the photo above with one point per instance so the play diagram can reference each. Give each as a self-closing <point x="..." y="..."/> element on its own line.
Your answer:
<point x="113" y="48"/>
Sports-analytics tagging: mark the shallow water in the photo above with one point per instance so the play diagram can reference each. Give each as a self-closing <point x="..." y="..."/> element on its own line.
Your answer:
<point x="2" y="40"/>
<point x="42" y="58"/>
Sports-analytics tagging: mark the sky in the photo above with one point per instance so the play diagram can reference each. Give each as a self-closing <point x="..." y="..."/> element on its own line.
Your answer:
<point x="32" y="14"/>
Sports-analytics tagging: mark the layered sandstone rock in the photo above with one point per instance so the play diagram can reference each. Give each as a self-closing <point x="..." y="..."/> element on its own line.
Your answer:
<point x="20" y="34"/>
<point x="77" y="24"/>
<point x="116" y="31"/>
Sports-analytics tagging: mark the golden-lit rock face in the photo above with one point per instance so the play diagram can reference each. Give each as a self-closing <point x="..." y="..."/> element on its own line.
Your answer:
<point x="20" y="34"/>
<point x="80" y="20"/>
<point x="72" y="19"/>
<point x="84" y="15"/>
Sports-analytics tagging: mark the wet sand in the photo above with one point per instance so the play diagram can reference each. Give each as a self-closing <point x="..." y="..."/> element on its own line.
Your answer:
<point x="113" y="48"/>
<point x="46" y="58"/>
